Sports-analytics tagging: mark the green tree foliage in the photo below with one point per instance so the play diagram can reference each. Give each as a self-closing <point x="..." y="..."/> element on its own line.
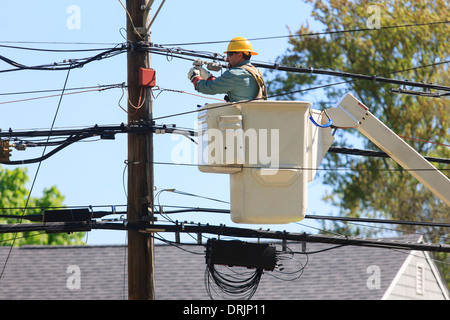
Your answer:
<point x="14" y="194"/>
<point x="376" y="187"/>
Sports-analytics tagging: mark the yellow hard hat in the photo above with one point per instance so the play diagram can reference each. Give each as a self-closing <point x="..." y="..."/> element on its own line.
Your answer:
<point x="240" y="44"/>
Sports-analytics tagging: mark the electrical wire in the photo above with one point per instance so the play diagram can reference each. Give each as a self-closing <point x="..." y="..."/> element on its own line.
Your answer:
<point x="427" y="141"/>
<point x="51" y="50"/>
<point x="90" y="89"/>
<point x="98" y="87"/>
<point x="225" y="231"/>
<point x="177" y="245"/>
<point x="247" y="101"/>
<point x="107" y="131"/>
<point x="66" y="64"/>
<point x="35" y="176"/>
<point x="288" y="267"/>
<point x="43" y="157"/>
<point x="155" y="48"/>
<point x="233" y="285"/>
<point x="380" y="154"/>
<point x="160" y="208"/>
<point x="313" y="34"/>
<point x="161" y="211"/>
<point x="441" y="238"/>
<point x="184" y="92"/>
<point x="140" y="104"/>
<point x="132" y="22"/>
<point x="24" y="236"/>
<point x="58" y="42"/>
<point x="185" y="209"/>
<point x="155" y="15"/>
<point x="305" y="168"/>
<point x="197" y="196"/>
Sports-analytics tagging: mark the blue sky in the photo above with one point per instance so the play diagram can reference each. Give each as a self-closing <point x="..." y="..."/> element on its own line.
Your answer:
<point x="91" y="173"/>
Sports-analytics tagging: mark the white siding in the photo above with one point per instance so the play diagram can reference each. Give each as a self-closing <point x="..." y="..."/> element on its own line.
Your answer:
<point x="417" y="280"/>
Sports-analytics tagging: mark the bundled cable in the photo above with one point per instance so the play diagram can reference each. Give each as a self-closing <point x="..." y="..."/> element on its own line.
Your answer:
<point x="66" y="64"/>
<point x="220" y="255"/>
<point x="234" y="285"/>
<point x="288" y="267"/>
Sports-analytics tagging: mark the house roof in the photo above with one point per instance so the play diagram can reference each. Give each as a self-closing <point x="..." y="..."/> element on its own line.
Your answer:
<point x="45" y="272"/>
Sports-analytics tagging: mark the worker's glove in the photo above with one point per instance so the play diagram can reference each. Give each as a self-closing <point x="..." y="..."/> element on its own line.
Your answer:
<point x="205" y="74"/>
<point x="193" y="73"/>
<point x="199" y="72"/>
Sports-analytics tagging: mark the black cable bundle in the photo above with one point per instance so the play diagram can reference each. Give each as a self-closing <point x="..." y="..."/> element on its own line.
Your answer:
<point x="235" y="285"/>
<point x="221" y="255"/>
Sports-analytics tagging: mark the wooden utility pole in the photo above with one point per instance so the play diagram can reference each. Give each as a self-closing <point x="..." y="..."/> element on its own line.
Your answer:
<point x="140" y="159"/>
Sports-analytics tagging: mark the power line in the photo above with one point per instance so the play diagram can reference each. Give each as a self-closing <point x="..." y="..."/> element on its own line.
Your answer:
<point x="98" y="87"/>
<point x="76" y="135"/>
<point x="223" y="230"/>
<point x="87" y="89"/>
<point x="108" y="132"/>
<point x="316" y="33"/>
<point x="209" y="55"/>
<point x="8" y="43"/>
<point x="102" y="213"/>
<point x="381" y="154"/>
<point x="356" y="76"/>
<point x="301" y="168"/>
<point x="310" y="70"/>
<point x="36" y="174"/>
<point x="53" y="50"/>
<point x="76" y="64"/>
<point x="150" y="47"/>
<point x="98" y="130"/>
<point x="381" y="221"/>
<point x="58" y="42"/>
<point x="66" y="64"/>
<point x="251" y="233"/>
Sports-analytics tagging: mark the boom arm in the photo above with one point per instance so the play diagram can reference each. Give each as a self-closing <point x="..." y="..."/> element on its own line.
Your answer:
<point x="350" y="112"/>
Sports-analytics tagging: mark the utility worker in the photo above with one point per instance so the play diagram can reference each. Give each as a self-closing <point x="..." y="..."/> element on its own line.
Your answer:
<point x="242" y="81"/>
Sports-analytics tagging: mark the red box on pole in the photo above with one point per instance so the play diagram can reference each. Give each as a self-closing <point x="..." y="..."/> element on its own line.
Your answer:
<point x="147" y="77"/>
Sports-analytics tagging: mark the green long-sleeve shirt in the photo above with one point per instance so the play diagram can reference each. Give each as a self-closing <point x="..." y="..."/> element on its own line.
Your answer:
<point x="236" y="82"/>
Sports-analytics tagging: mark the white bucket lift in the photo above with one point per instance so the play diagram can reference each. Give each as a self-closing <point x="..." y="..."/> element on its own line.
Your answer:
<point x="269" y="149"/>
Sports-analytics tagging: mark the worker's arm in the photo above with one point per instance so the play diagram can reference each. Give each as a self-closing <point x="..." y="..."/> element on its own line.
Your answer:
<point x="198" y="73"/>
<point x="222" y="84"/>
<point x="238" y="84"/>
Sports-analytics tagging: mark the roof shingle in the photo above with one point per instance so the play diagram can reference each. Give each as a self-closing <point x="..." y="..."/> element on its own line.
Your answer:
<point x="41" y="272"/>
